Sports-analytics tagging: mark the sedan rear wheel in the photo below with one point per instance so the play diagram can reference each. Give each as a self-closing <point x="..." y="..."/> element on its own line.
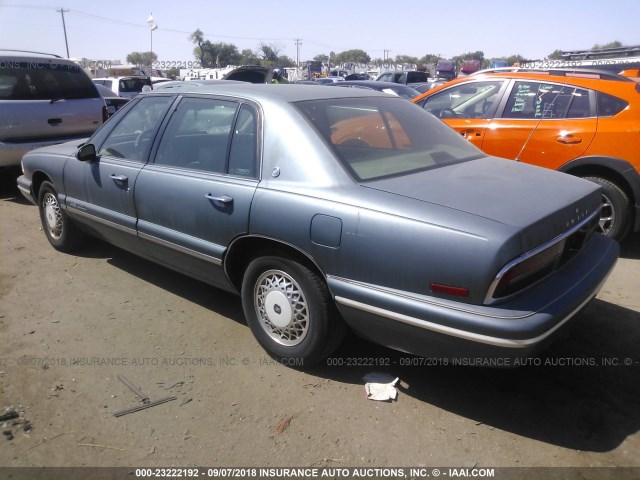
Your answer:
<point x="290" y="311"/>
<point x="615" y="213"/>
<point x="62" y="234"/>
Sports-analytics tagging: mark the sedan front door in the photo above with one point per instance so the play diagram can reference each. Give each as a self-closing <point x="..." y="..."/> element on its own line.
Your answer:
<point x="100" y="193"/>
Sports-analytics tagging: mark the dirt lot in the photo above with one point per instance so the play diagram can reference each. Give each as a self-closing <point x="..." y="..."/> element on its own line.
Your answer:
<point x="69" y="324"/>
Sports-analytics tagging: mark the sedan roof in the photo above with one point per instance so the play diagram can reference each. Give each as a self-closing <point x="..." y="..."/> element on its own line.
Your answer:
<point x="277" y="92"/>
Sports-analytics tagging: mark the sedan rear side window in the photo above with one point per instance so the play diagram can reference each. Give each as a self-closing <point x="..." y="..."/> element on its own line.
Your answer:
<point x="198" y="135"/>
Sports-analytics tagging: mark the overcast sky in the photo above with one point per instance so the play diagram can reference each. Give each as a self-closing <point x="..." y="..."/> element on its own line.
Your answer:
<point x="109" y="30"/>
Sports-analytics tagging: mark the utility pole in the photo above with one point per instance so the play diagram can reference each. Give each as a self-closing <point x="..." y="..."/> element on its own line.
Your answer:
<point x="298" y="43"/>
<point x="64" y="27"/>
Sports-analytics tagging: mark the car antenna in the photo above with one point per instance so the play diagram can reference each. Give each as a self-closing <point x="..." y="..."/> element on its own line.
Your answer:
<point x="524" y="145"/>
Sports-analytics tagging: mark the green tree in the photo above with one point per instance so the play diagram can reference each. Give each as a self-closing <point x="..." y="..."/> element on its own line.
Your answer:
<point x="356" y="55"/>
<point x="555" y="55"/>
<point x="249" y="57"/>
<point x="197" y="37"/>
<point x="172" y="73"/>
<point x="269" y="53"/>
<point x="430" y="58"/>
<point x="142" y="58"/>
<point x="477" y="55"/>
<point x="321" y="58"/>
<point x="284" y="61"/>
<point x="614" y="44"/>
<point x="516" y="58"/>
<point x="212" y="55"/>
<point x="400" y="59"/>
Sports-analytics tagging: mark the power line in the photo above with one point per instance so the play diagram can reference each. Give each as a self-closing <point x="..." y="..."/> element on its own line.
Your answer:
<point x="170" y="30"/>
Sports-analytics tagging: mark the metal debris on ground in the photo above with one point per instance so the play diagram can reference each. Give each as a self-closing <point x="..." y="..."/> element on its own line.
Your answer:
<point x="146" y="403"/>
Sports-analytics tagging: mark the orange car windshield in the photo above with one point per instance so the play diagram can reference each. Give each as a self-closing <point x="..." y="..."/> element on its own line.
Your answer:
<point x="380" y="137"/>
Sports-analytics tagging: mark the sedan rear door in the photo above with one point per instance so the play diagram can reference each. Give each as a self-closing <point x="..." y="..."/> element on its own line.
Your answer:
<point x="195" y="198"/>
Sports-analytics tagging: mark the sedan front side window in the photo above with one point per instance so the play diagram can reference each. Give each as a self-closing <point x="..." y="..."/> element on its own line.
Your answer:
<point x="131" y="138"/>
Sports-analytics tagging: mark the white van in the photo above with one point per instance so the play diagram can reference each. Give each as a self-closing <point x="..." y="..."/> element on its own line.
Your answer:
<point x="44" y="99"/>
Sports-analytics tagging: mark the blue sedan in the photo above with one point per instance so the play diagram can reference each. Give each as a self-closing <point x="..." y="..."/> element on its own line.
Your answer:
<point x="328" y="209"/>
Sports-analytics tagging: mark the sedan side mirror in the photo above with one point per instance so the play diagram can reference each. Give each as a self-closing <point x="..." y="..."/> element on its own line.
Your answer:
<point x="87" y="153"/>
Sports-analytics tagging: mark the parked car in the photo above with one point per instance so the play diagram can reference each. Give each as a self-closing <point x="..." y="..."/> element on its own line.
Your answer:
<point x="584" y="123"/>
<point x="178" y="84"/>
<point x="339" y="73"/>
<point x="125" y="86"/>
<point x="385" y="87"/>
<point x="251" y="74"/>
<point x="357" y="76"/>
<point x="446" y="69"/>
<point x="426" y="86"/>
<point x="404" y="77"/>
<point x="44" y="99"/>
<point x="114" y="102"/>
<point x="498" y="64"/>
<point x="328" y="80"/>
<point x="328" y="207"/>
<point x="469" y="66"/>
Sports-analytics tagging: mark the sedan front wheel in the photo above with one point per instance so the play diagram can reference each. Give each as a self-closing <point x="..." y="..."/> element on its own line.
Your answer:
<point x="290" y="311"/>
<point x="62" y="234"/>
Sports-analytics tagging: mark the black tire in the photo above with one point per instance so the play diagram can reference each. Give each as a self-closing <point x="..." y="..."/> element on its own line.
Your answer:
<point x="290" y="311"/>
<point x="616" y="211"/>
<point x="62" y="234"/>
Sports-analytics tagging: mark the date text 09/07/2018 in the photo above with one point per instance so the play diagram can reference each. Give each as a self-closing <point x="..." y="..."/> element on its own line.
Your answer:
<point x="315" y="472"/>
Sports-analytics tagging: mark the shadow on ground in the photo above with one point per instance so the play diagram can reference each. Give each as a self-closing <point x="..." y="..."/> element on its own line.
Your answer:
<point x="581" y="395"/>
<point x="586" y="399"/>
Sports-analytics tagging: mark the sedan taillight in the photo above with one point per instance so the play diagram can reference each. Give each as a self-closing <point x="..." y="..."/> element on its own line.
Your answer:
<point x="105" y="113"/>
<point x="529" y="271"/>
<point x="538" y="263"/>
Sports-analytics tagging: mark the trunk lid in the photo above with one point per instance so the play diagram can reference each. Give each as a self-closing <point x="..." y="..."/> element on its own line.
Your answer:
<point x="540" y="203"/>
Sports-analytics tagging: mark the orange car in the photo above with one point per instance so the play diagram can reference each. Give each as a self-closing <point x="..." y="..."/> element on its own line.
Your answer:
<point x="583" y="123"/>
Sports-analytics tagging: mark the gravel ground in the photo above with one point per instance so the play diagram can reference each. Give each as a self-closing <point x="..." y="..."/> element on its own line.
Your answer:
<point x="71" y="323"/>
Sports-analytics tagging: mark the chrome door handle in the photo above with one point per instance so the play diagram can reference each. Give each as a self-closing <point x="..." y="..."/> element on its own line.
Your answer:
<point x="118" y="178"/>
<point x="222" y="199"/>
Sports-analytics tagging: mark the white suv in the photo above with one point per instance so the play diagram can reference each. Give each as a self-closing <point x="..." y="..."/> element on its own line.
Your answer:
<point x="44" y="99"/>
<point x="125" y="86"/>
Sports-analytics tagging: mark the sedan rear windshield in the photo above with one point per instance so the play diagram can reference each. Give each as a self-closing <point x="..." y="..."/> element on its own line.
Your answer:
<point x="44" y="81"/>
<point x="379" y="137"/>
